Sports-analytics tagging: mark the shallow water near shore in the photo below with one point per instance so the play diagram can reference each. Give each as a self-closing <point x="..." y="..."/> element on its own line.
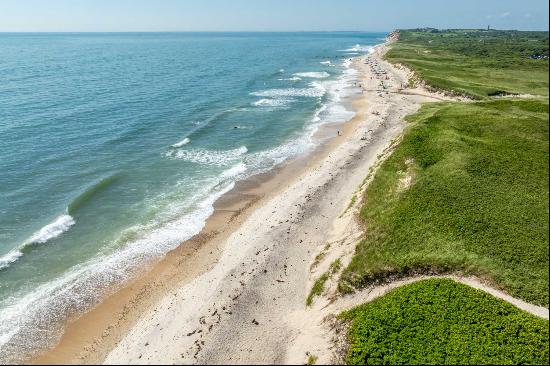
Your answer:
<point x="115" y="147"/>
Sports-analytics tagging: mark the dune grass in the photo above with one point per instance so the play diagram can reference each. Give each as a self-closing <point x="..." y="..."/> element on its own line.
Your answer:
<point x="476" y="63"/>
<point x="440" y="321"/>
<point x="319" y="285"/>
<point x="478" y="203"/>
<point x="317" y="289"/>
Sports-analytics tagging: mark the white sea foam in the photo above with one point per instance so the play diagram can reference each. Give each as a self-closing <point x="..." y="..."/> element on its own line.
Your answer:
<point x="51" y="231"/>
<point x="358" y="48"/>
<point x="268" y="102"/>
<point x="209" y="157"/>
<point x="265" y="160"/>
<point x="294" y="78"/>
<point x="183" y="142"/>
<point x="7" y="259"/>
<point x="338" y="113"/>
<point x="315" y="92"/>
<point x="333" y="110"/>
<point x="313" y="75"/>
<point x="60" y="225"/>
<point x="234" y="171"/>
<point x="316" y="116"/>
<point x="328" y="62"/>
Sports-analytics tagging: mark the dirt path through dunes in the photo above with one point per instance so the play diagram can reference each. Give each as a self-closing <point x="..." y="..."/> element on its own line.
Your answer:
<point x="317" y="333"/>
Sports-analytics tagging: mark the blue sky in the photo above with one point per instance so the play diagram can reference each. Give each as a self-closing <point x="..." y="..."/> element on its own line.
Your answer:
<point x="267" y="15"/>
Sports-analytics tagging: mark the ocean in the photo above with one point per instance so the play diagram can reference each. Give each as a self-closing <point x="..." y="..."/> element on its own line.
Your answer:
<point x="114" y="147"/>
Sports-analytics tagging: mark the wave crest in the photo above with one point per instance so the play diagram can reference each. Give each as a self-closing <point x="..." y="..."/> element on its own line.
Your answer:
<point x="60" y="225"/>
<point x="84" y="197"/>
<point x="51" y="231"/>
<point x="267" y="102"/>
<point x="294" y="78"/>
<point x="209" y="157"/>
<point x="183" y="142"/>
<point x="315" y="92"/>
<point x="7" y="259"/>
<point x="358" y="48"/>
<point x="313" y="74"/>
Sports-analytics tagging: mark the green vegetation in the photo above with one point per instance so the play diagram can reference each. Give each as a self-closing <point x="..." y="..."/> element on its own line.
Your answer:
<point x="478" y="203"/>
<point x="440" y="321"/>
<point x="352" y="202"/>
<point x="319" y="257"/>
<point x="476" y="63"/>
<point x="319" y="285"/>
<point x="317" y="289"/>
<point x="311" y="359"/>
<point x="335" y="266"/>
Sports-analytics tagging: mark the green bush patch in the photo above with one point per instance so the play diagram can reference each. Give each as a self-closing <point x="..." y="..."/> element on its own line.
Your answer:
<point x="440" y="321"/>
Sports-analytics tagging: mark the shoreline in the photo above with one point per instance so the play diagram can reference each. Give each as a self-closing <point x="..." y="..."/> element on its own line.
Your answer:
<point x="93" y="334"/>
<point x="253" y="255"/>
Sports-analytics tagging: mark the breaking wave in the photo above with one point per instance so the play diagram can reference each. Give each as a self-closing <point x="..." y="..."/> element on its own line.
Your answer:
<point x="209" y="157"/>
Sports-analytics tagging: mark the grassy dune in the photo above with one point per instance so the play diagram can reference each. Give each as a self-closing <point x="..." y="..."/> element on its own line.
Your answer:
<point x="477" y="200"/>
<point x="476" y="63"/>
<point x="443" y="322"/>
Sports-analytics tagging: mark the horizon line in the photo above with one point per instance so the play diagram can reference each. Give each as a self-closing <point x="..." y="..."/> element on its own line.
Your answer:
<point x="262" y="31"/>
<point x="206" y="31"/>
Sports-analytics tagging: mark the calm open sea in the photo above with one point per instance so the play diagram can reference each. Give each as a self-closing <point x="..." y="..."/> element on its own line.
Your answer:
<point x="113" y="148"/>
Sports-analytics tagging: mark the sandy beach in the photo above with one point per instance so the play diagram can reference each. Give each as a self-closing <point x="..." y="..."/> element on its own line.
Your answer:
<point x="236" y="292"/>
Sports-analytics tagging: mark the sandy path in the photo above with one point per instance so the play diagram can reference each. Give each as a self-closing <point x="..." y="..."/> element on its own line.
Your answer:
<point x="243" y="310"/>
<point x="317" y="335"/>
<point x="369" y="294"/>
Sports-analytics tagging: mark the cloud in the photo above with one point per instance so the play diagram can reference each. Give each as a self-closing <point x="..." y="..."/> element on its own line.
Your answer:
<point x="528" y="15"/>
<point x="505" y="14"/>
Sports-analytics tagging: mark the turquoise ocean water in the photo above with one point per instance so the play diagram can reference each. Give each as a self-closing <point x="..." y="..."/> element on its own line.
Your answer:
<point x="113" y="148"/>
